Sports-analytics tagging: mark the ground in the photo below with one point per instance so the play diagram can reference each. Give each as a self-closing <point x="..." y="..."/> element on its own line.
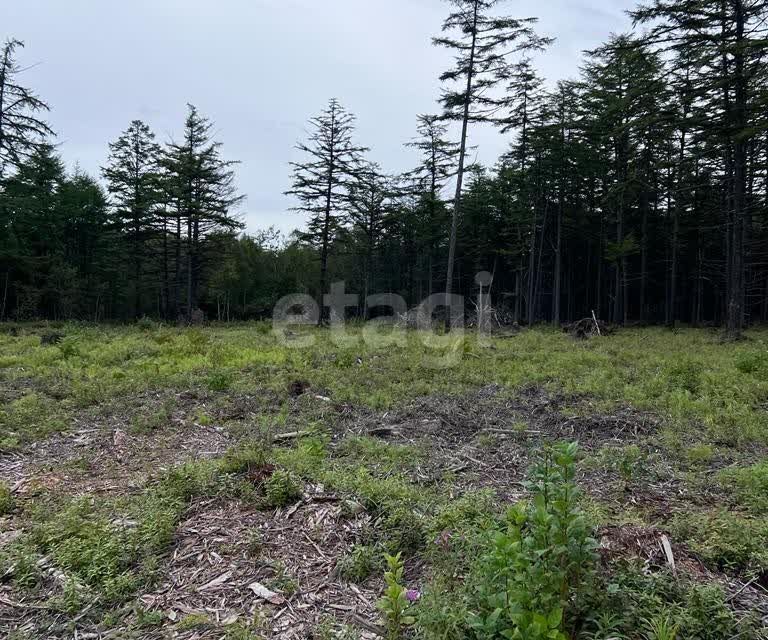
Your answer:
<point x="224" y="482"/>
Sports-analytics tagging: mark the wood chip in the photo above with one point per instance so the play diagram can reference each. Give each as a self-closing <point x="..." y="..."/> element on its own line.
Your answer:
<point x="265" y="594"/>
<point x="216" y="581"/>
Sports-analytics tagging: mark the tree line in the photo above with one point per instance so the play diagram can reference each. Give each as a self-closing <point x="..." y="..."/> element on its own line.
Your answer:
<point x="637" y="190"/>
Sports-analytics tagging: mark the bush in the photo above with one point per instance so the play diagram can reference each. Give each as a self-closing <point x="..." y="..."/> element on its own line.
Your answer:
<point x="525" y="582"/>
<point x="281" y="489"/>
<point x="726" y="541"/>
<point x="6" y="499"/>
<point x="359" y="564"/>
<point x="749" y="486"/>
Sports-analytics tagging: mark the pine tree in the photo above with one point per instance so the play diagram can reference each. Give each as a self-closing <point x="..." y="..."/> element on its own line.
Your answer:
<point x="321" y="182"/>
<point x="368" y="207"/>
<point x="202" y="191"/>
<point x="21" y="130"/>
<point x="132" y="175"/>
<point x="482" y="46"/>
<point x="438" y="164"/>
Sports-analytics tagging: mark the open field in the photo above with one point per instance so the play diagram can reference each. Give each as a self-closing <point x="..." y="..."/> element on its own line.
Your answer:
<point x="216" y="483"/>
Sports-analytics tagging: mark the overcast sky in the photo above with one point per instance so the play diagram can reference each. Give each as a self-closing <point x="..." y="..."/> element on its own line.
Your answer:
<point x="260" y="69"/>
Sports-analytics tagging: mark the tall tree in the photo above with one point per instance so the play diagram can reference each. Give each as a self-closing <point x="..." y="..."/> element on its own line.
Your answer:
<point x="321" y="181"/>
<point x="724" y="44"/>
<point x="202" y="189"/>
<point x="132" y="175"/>
<point x="438" y="164"/>
<point x="367" y="211"/>
<point x="482" y="45"/>
<point x="21" y="130"/>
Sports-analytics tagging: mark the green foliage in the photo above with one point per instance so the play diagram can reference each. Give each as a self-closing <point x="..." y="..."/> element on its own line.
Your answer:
<point x="245" y="457"/>
<point x="525" y="582"/>
<point x="661" y="628"/>
<point x="359" y="563"/>
<point x="394" y="604"/>
<point x="727" y="541"/>
<point x="685" y="375"/>
<point x="626" y="601"/>
<point x="147" y="422"/>
<point x="281" y="489"/>
<point x="749" y="486"/>
<point x="29" y="417"/>
<point x="700" y="454"/>
<point x="220" y="380"/>
<point x="6" y="499"/>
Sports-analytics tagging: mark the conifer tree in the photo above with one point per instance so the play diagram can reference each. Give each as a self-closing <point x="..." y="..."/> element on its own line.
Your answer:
<point x="21" y="130"/>
<point x="482" y="45"/>
<point x="201" y="188"/>
<point x="132" y="175"/>
<point x="321" y="181"/>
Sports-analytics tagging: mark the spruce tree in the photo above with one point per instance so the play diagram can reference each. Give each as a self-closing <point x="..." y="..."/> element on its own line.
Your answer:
<point x="21" y="130"/>
<point x="202" y="192"/>
<point x="483" y="43"/>
<point x="132" y="175"/>
<point x="322" y="180"/>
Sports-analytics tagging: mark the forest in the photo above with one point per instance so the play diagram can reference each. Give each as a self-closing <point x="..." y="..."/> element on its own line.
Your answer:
<point x="637" y="189"/>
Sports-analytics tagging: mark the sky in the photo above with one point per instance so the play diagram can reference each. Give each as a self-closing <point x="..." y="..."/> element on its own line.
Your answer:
<point x="260" y="69"/>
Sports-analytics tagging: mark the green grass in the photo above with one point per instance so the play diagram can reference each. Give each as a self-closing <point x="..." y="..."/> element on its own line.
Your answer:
<point x="687" y="376"/>
<point x="710" y="399"/>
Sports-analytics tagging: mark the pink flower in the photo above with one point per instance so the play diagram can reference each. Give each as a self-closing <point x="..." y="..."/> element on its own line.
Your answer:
<point x="412" y="595"/>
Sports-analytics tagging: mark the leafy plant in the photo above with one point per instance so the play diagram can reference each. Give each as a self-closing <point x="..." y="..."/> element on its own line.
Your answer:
<point x="281" y="489"/>
<point x="395" y="602"/>
<point x="526" y="580"/>
<point x="661" y="628"/>
<point x="6" y="499"/>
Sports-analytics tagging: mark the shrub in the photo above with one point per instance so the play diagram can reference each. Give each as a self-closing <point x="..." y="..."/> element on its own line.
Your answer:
<point x="6" y="499"/>
<point x="357" y="565"/>
<point x="727" y="541"/>
<point x="397" y="600"/>
<point x="525" y="582"/>
<point x="749" y="486"/>
<point x="281" y="489"/>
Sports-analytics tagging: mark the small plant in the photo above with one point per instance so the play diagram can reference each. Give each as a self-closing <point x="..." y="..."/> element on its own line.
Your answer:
<point x="155" y="420"/>
<point x="255" y="543"/>
<point x="700" y="454"/>
<point x="220" y="380"/>
<point x="6" y="499"/>
<point x="357" y="565"/>
<point x="281" y="489"/>
<point x="661" y="628"/>
<point x="397" y="600"/>
<point x="527" y="580"/>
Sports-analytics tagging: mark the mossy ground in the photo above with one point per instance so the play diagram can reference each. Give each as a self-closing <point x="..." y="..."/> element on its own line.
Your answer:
<point x="138" y="466"/>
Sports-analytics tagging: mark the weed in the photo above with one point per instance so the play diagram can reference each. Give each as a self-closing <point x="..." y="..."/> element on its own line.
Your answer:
<point x="155" y="420"/>
<point x="6" y="499"/>
<point x="661" y="628"/>
<point x="359" y="563"/>
<point x="281" y="489"/>
<point x="749" y="486"/>
<point x="727" y="541"/>
<point x="700" y="455"/>
<point x="525" y="582"/>
<point x="397" y="600"/>
<point x="194" y="621"/>
<point x="220" y="380"/>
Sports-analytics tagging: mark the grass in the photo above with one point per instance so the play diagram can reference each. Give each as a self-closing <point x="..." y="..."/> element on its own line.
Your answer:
<point x="710" y="399"/>
<point x="688" y="376"/>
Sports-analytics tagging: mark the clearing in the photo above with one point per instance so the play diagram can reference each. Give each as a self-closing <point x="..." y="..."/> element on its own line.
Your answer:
<point x="216" y="483"/>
